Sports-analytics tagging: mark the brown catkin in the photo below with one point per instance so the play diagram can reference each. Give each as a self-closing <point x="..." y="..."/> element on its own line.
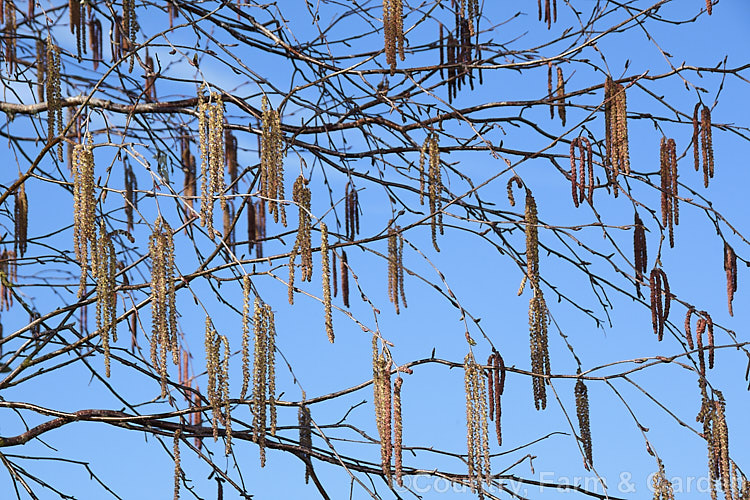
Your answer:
<point x="163" y="309"/>
<point x="230" y="150"/>
<point x="21" y="219"/>
<point x="396" y="267"/>
<point x="131" y="200"/>
<point x="54" y="94"/>
<point x="272" y="162"/>
<point x="104" y="270"/>
<point x="730" y="268"/>
<point x="477" y="440"/>
<point x="381" y="368"/>
<point x="582" y="411"/>
<point x="550" y="94"/>
<point x="393" y="28"/>
<point x="95" y="40"/>
<point x="351" y="212"/>
<point x="344" y="278"/>
<point x="149" y="87"/>
<point x="495" y="387"/>
<point x="659" y="310"/>
<point x="256" y="227"/>
<point x="10" y="33"/>
<point x="398" y="432"/>
<point x="435" y="188"/>
<point x="229" y="225"/>
<point x="561" y="95"/>
<point x="617" y="157"/>
<point x="660" y="484"/>
<point x="668" y="172"/>
<point x="177" y="469"/>
<point x="326" y="265"/>
<point x="709" y="6"/>
<point x="305" y="434"/>
<point x="246" y="283"/>
<point x="581" y="163"/>
<point x="41" y="67"/>
<point x="639" y="251"/>
<point x="264" y="375"/>
<point x="302" y="244"/>
<point x="519" y="184"/>
<point x="8" y="276"/>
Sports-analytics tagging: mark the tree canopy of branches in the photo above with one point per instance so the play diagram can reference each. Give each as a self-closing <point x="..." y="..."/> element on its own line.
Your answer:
<point x="273" y="239"/>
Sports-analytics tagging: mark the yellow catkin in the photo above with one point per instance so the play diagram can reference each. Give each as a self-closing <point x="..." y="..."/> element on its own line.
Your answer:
<point x="163" y="310"/>
<point x="21" y="219"/>
<point x="84" y="206"/>
<point x="272" y="162"/>
<point x="177" y="468"/>
<point x="477" y="429"/>
<point x="105" y="270"/>
<point x="582" y="412"/>
<point x="264" y="375"/>
<point x="302" y="244"/>
<point x="224" y="392"/>
<point x="211" y="135"/>
<point x="617" y="158"/>
<point x="326" y="265"/>
<point x="662" y="487"/>
<point x="393" y="28"/>
<point x="434" y="185"/>
<point x="398" y="430"/>
<point x="381" y="368"/>
<point x="8" y="271"/>
<point x="245" y="335"/>
<point x="212" y="372"/>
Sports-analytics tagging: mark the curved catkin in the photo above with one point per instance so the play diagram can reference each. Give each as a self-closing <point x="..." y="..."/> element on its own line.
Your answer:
<point x="659" y="310"/>
<point x="707" y="147"/>
<point x="8" y="271"/>
<point x="272" y="162"/>
<point x="351" y="212"/>
<point x="163" y="310"/>
<point x="264" y="376"/>
<point x="211" y="134"/>
<point x="302" y="244"/>
<point x="582" y="411"/>
<point x="84" y="206"/>
<point x="344" y="278"/>
<point x="177" y="469"/>
<point x="661" y="486"/>
<point x="325" y="264"/>
<point x="639" y="251"/>
<point x="246" y="283"/>
<point x="730" y="268"/>
<point x="509" y="187"/>
<point x="477" y="440"/>
<point x="398" y="432"/>
<point x="21" y="219"/>
<point x="104" y="269"/>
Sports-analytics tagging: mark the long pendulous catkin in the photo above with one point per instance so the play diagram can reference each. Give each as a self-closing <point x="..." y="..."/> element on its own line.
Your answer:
<point x="670" y="213"/>
<point x="84" y="206"/>
<point x="398" y="431"/>
<point x="54" y="94"/>
<point x="302" y="244"/>
<point x="434" y="184"/>
<point x="661" y="486"/>
<point x="381" y="369"/>
<point x="351" y="212"/>
<point x="163" y="310"/>
<point x="617" y="157"/>
<point x="21" y="219"/>
<point x="581" y="162"/>
<point x="639" y="252"/>
<point x="477" y="433"/>
<point x="272" y="162"/>
<point x="264" y="376"/>
<point x="177" y="469"/>
<point x="495" y="388"/>
<point x="304" y="421"/>
<point x="104" y="269"/>
<point x="326" y="265"/>
<point x="131" y="199"/>
<point x="393" y="27"/>
<point x="246" y="284"/>
<point x="396" y="267"/>
<point x="344" y="278"/>
<point x="8" y="276"/>
<point x="211" y="134"/>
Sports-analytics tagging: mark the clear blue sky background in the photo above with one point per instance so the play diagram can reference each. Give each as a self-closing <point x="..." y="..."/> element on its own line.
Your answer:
<point x="485" y="282"/>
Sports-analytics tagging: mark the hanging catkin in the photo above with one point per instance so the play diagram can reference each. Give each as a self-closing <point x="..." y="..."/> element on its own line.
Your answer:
<point x="396" y="267"/>
<point x="582" y="411"/>
<point x="351" y="212"/>
<point x="272" y="162"/>
<point x="245" y="334"/>
<point x="398" y="431"/>
<point x="264" y="375"/>
<point x="21" y="219"/>
<point x="730" y="268"/>
<point x="54" y="93"/>
<point x="670" y="212"/>
<point x="303" y="244"/>
<point x="580" y="164"/>
<point x="230" y="150"/>
<point x="305" y="434"/>
<point x="84" y="206"/>
<point x="617" y="157"/>
<point x="381" y="370"/>
<point x="95" y="41"/>
<point x="177" y="469"/>
<point x="344" y="278"/>
<point x="707" y="147"/>
<point x="211" y="133"/>
<point x="639" y="252"/>
<point x="326" y="265"/>
<point x="104" y="269"/>
<point x="393" y="27"/>
<point x="187" y="162"/>
<point x="217" y="369"/>
<point x="41" y="69"/>
<point x="560" y="95"/>
<point x="477" y="432"/>
<point x="660" y="484"/>
<point x="659" y="310"/>
<point x="256" y="227"/>
<point x="163" y="311"/>
<point x="131" y="200"/>
<point x="495" y="388"/>
<point x="8" y="276"/>
<point x="10" y="33"/>
<point x="434" y="184"/>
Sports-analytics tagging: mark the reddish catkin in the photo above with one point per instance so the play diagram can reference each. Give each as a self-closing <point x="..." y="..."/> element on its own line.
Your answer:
<point x="639" y="251"/>
<point x="730" y="268"/>
<point x="344" y="278"/>
<point x="495" y="387"/>
<point x="668" y="172"/>
<point x="398" y="431"/>
<point x="582" y="411"/>
<point x="659" y="310"/>
<point x="707" y="145"/>
<point x="581" y="167"/>
<point x="688" y="334"/>
<point x="351" y="212"/>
